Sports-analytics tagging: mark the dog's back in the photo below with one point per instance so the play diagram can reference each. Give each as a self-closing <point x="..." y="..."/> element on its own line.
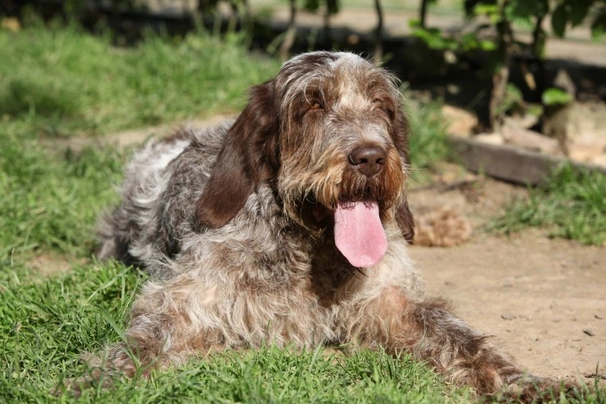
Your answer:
<point x="141" y="229"/>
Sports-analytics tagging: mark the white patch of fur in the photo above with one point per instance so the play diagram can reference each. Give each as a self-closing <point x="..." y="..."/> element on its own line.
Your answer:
<point x="149" y="171"/>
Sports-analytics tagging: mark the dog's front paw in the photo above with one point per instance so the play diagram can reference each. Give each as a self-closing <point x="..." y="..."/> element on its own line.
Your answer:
<point x="97" y="378"/>
<point x="534" y="389"/>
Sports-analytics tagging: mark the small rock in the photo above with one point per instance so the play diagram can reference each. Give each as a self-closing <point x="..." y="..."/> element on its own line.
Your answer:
<point x="598" y="317"/>
<point x="11" y="24"/>
<point x="585" y="152"/>
<point x="508" y="316"/>
<point x="599" y="160"/>
<point x="490" y="138"/>
<point x="581" y="126"/>
<point x="517" y="135"/>
<point x="589" y="332"/>
<point x="526" y="121"/>
<point x="563" y="81"/>
<point x="460" y="121"/>
<point x="353" y="39"/>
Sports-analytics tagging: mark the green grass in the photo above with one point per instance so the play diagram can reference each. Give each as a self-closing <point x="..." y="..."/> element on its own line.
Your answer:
<point x="571" y="204"/>
<point x="427" y="137"/>
<point x="62" y="82"/>
<point x="45" y="326"/>
<point x="50" y="200"/>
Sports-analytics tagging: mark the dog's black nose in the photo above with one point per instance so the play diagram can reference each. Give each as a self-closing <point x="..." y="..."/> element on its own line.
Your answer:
<point x="368" y="159"/>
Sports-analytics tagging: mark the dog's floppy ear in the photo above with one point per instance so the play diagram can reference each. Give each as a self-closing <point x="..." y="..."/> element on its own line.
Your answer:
<point x="400" y="133"/>
<point x="406" y="222"/>
<point x="248" y="157"/>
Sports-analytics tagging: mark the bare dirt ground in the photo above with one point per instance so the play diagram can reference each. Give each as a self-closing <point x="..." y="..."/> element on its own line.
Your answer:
<point x="544" y="300"/>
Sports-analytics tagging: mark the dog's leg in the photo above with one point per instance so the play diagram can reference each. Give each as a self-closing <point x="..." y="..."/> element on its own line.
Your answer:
<point x="169" y="323"/>
<point x="428" y="331"/>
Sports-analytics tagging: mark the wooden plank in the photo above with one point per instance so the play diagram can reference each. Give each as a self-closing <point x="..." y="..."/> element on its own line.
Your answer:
<point x="506" y="162"/>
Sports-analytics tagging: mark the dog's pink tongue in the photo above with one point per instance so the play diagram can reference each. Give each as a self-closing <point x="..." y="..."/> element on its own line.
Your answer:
<point x="359" y="234"/>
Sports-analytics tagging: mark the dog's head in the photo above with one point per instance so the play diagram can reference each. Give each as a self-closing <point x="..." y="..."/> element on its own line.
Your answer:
<point x="328" y="134"/>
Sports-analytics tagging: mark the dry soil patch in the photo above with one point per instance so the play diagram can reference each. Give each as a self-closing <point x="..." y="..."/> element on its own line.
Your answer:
<point x="542" y="299"/>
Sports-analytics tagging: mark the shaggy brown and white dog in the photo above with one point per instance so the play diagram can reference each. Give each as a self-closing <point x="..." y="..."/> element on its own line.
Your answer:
<point x="289" y="226"/>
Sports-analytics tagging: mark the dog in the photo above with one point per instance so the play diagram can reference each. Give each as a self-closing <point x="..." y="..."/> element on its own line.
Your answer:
<point x="290" y="226"/>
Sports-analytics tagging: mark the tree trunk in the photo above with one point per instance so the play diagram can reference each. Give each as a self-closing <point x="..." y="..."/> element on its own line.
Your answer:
<point x="291" y="32"/>
<point x="500" y="77"/>
<point x="539" y="37"/>
<point x="327" y="31"/>
<point x="378" y="37"/>
<point x="247" y="15"/>
<point x="423" y="13"/>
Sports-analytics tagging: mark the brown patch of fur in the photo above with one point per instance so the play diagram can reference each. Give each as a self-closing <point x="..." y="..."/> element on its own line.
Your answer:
<point x="248" y="157"/>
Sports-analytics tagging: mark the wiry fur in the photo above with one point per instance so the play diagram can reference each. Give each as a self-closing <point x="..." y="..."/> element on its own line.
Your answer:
<point x="235" y="226"/>
<point x="440" y="227"/>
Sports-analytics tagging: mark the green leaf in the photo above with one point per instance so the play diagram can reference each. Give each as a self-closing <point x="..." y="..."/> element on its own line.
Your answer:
<point x="469" y="7"/>
<point x="434" y="39"/>
<point x="486" y="9"/>
<point x="524" y="10"/>
<point x="559" y="18"/>
<point x="577" y="11"/>
<point x="414" y="23"/>
<point x="512" y="100"/>
<point x="556" y="96"/>
<point x="333" y="6"/>
<point x="487" y="45"/>
<point x="311" y="5"/>
<point x="598" y="26"/>
<point x="514" y="93"/>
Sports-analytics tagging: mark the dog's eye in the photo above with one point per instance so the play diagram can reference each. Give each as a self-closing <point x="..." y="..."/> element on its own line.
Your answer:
<point x="383" y="106"/>
<point x="378" y="103"/>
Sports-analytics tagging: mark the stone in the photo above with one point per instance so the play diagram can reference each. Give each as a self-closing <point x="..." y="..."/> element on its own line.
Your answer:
<point x="599" y="161"/>
<point x="490" y="138"/>
<point x="516" y="135"/>
<point x="563" y="81"/>
<point x="460" y="121"/>
<point x="581" y="127"/>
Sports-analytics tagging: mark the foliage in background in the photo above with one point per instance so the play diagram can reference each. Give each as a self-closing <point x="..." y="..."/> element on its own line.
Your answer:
<point x="571" y="204"/>
<point x="497" y="22"/>
<point x="427" y="140"/>
<point x="495" y="31"/>
<point x="575" y="12"/>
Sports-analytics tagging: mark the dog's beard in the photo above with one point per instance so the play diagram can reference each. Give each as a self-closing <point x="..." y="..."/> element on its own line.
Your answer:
<point x="353" y="211"/>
